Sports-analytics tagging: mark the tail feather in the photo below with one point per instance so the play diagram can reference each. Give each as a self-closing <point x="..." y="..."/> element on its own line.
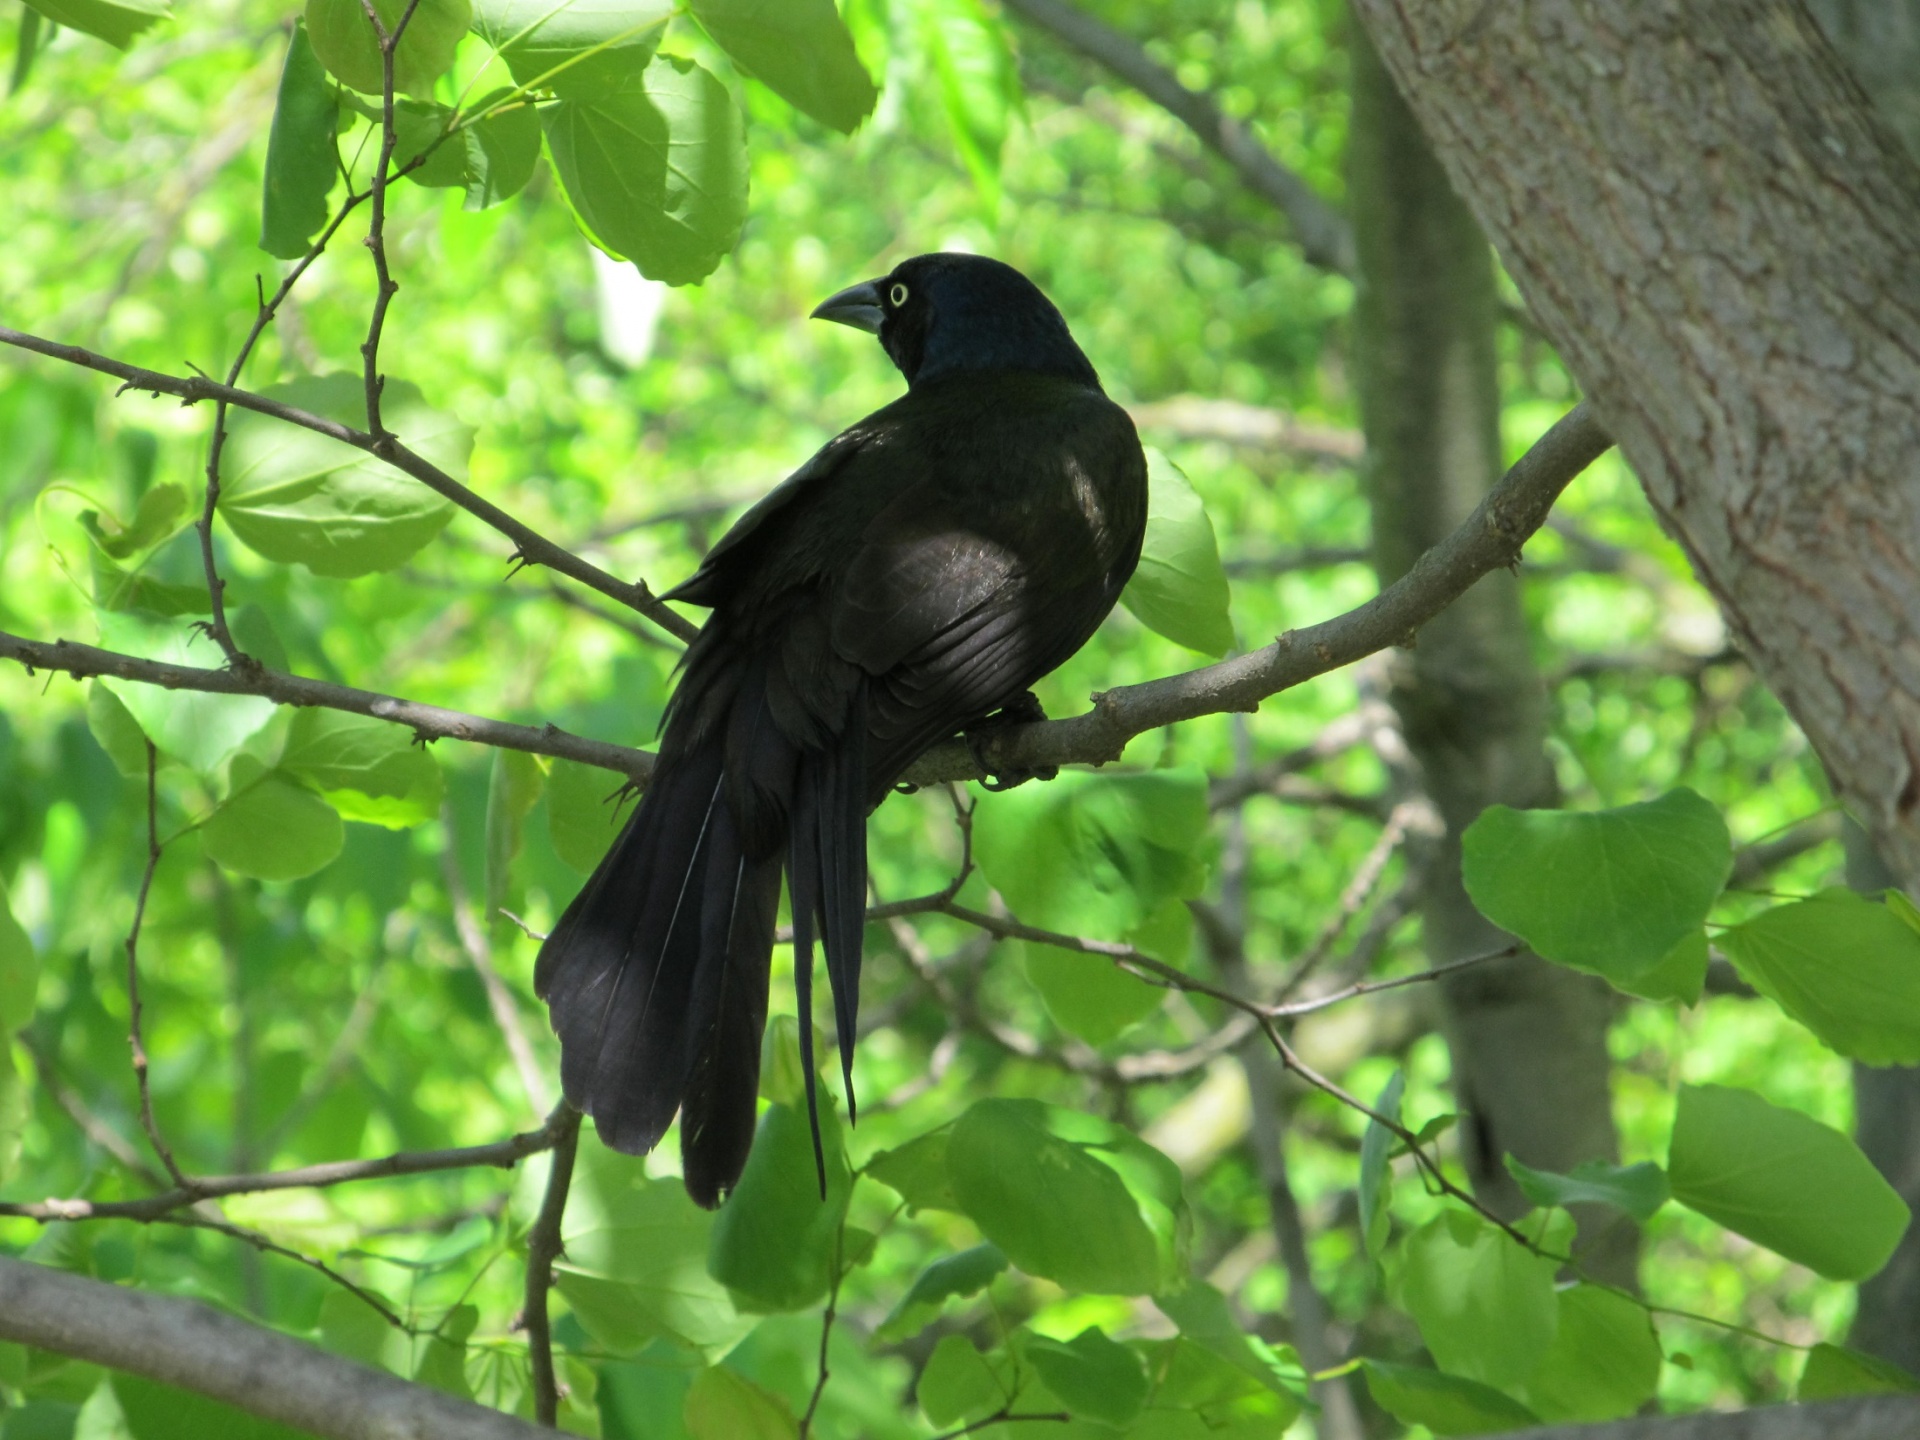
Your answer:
<point x="656" y="975"/>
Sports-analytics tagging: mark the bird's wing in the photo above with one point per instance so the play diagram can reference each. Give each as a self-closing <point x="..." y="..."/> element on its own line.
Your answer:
<point x="951" y="622"/>
<point x="710" y="584"/>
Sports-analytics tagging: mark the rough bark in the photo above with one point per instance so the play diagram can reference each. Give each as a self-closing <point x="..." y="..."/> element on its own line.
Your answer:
<point x="193" y="1346"/>
<point x="1880" y="41"/>
<point x="1717" y="233"/>
<point x="1528" y="1039"/>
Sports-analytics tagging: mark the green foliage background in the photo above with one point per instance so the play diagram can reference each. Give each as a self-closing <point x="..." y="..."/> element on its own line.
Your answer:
<point x="338" y="1014"/>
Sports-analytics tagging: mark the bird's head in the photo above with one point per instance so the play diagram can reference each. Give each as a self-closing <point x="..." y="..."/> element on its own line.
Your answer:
<point x="947" y="314"/>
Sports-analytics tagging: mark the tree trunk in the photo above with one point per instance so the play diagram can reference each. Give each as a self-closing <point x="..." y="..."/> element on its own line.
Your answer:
<point x="1528" y="1039"/>
<point x="1718" y="234"/>
<point x="1880" y="41"/>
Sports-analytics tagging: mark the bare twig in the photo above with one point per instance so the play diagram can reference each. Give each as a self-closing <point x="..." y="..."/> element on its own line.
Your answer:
<point x="827" y="1317"/>
<point x="532" y="547"/>
<point x="384" y="284"/>
<point x="501" y="1154"/>
<point x="543" y="1248"/>
<point x="263" y="316"/>
<point x="1005" y="1415"/>
<point x="203" y="1219"/>
<point x="92" y="1124"/>
<point x="134" y="1041"/>
<point x="1489" y="539"/>
<point x="479" y="952"/>
<point x="1324" y="235"/>
<point x="428" y="722"/>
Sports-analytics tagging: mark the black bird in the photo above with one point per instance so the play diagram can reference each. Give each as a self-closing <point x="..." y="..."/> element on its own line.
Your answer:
<point x="910" y="580"/>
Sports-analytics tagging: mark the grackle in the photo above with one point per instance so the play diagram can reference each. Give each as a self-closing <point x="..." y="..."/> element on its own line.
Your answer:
<point x="908" y="582"/>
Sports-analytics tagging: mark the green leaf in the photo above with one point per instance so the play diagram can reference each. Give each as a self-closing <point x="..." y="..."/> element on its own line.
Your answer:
<point x="1484" y="1304"/>
<point x="117" y="731"/>
<point x="959" y="1383"/>
<point x="1071" y="1197"/>
<point x="1204" y="1318"/>
<point x="724" y="1405"/>
<point x="117" y="588"/>
<point x="197" y="729"/>
<point x="1094" y="1377"/>
<point x="15" y="1108"/>
<point x="584" y="811"/>
<point x="918" y="1171"/>
<point x="656" y="171"/>
<point x="351" y="1327"/>
<point x="800" y="50"/>
<point x="369" y="770"/>
<point x="576" y="48"/>
<point x="1637" y="1189"/>
<point x="1180" y="587"/>
<point x="344" y="40"/>
<point x="1846" y="967"/>
<point x="1088" y="995"/>
<point x="114" y="21"/>
<point x="160" y="1412"/>
<point x="301" y="160"/>
<point x="1093" y="854"/>
<point x="1833" y="1372"/>
<point x="967" y="1273"/>
<point x="643" y="1274"/>
<point x="271" y="827"/>
<point x="502" y="150"/>
<point x="443" y="1358"/>
<point x="158" y="515"/>
<point x="513" y="789"/>
<point x="1681" y="976"/>
<point x="26" y="46"/>
<point x="296" y="496"/>
<point x="1609" y="891"/>
<point x="775" y="1240"/>
<point x="1376" y="1176"/>
<point x="1199" y="1396"/>
<point x="1783" y="1180"/>
<point x="979" y="86"/>
<point x="19" y="973"/>
<point x="1603" y="1364"/>
<point x="1445" y="1404"/>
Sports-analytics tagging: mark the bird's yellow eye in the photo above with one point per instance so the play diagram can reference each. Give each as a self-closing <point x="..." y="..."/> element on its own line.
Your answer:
<point x="898" y="295"/>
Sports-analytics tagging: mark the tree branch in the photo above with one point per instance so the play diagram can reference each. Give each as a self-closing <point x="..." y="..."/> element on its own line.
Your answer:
<point x="193" y="1346"/>
<point x="1324" y="235"/>
<point x="543" y="1248"/>
<point x="1490" y="538"/>
<point x="429" y="722"/>
<point x="502" y="1154"/>
<point x="533" y="548"/>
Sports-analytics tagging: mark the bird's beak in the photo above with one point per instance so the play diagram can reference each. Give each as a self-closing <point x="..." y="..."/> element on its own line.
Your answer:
<point x="857" y="305"/>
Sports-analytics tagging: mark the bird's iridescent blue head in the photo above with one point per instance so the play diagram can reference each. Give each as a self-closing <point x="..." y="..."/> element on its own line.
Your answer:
<point x="948" y="314"/>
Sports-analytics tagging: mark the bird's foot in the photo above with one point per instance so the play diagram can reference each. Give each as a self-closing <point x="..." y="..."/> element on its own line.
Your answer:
<point x="1023" y="709"/>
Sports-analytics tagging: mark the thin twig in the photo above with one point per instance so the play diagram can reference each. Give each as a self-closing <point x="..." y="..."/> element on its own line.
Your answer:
<point x="1005" y="1415"/>
<point x="134" y="1041"/>
<point x="199" y="1220"/>
<point x="500" y="1000"/>
<point x="428" y="722"/>
<point x="826" y="1333"/>
<point x="92" y="1124"/>
<point x="532" y="547"/>
<point x="500" y="1154"/>
<point x="543" y="1248"/>
<point x="385" y="286"/>
<point x="216" y="626"/>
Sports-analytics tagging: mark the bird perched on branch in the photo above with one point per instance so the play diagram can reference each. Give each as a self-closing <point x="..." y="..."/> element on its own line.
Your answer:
<point x="908" y="582"/>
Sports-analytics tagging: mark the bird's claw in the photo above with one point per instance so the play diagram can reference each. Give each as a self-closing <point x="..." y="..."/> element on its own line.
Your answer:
<point x="1023" y="709"/>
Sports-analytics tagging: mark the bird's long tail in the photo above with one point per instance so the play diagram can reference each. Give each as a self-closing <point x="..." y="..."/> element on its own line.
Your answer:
<point x="656" y="975"/>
